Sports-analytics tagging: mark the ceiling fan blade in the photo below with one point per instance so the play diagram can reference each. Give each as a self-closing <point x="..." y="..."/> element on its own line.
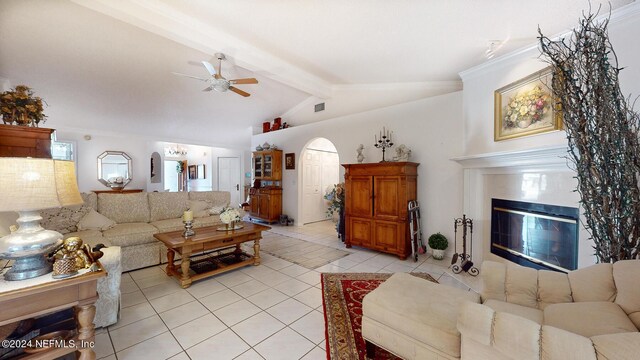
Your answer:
<point x="208" y="89"/>
<point x="189" y="76"/>
<point x="210" y="69"/>
<point x="239" y="92"/>
<point x="244" y="81"/>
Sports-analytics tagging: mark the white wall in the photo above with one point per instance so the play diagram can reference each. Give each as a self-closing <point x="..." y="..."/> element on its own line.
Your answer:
<point x="481" y="82"/>
<point x="431" y="127"/>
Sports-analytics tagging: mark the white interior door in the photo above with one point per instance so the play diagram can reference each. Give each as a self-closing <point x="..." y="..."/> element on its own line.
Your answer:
<point x="311" y="190"/>
<point x="170" y="175"/>
<point x="229" y="178"/>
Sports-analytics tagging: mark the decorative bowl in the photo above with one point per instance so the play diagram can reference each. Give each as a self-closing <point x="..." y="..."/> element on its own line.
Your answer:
<point x="266" y="146"/>
<point x="259" y="148"/>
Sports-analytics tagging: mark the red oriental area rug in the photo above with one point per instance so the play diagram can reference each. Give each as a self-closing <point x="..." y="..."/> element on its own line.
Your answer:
<point x="342" y="295"/>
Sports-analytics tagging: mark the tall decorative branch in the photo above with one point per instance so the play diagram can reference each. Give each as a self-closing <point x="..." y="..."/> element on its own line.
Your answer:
<point x="602" y="131"/>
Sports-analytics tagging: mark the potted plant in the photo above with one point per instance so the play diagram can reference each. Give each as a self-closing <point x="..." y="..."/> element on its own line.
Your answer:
<point x="438" y="243"/>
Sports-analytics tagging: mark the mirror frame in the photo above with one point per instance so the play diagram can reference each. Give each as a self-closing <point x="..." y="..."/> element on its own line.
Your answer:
<point x="129" y="168"/>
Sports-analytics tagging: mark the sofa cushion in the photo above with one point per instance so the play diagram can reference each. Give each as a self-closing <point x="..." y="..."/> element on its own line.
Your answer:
<point x="617" y="346"/>
<point x="167" y="205"/>
<point x="553" y="288"/>
<point x="521" y="285"/>
<point x="561" y="344"/>
<point x="593" y="283"/>
<point x="93" y="220"/>
<point x="207" y="221"/>
<point x="516" y="335"/>
<point x="428" y="312"/>
<point x="588" y="318"/>
<point x="90" y="199"/>
<point x="124" y="208"/>
<point x="63" y="220"/>
<point x="626" y="274"/>
<point x="128" y="234"/>
<point x="493" y="276"/>
<point x="200" y="208"/>
<point x="213" y="198"/>
<point x="169" y="225"/>
<point x="526" y="312"/>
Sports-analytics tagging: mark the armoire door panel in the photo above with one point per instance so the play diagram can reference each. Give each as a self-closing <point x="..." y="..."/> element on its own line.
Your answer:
<point x="360" y="231"/>
<point x="385" y="235"/>
<point x="387" y="193"/>
<point x="359" y="197"/>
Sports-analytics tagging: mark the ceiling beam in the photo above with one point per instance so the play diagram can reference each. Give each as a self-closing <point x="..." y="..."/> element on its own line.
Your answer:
<point x="166" y="21"/>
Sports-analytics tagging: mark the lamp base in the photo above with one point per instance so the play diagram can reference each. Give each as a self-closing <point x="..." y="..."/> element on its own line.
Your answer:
<point x="28" y="247"/>
<point x="28" y="267"/>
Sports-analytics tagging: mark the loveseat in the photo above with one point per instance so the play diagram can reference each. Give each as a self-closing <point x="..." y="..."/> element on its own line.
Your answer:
<point x="131" y="220"/>
<point x="590" y="313"/>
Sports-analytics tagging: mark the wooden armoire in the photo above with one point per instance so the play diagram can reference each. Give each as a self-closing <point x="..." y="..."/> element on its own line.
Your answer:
<point x="376" y="205"/>
<point x="25" y="141"/>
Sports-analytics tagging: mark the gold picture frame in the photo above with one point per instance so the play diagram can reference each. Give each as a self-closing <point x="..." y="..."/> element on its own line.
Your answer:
<point x="526" y="107"/>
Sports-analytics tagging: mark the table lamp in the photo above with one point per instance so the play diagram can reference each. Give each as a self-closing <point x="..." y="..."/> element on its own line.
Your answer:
<point x="26" y="186"/>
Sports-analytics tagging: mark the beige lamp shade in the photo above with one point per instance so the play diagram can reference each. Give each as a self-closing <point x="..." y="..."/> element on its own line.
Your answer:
<point x="33" y="184"/>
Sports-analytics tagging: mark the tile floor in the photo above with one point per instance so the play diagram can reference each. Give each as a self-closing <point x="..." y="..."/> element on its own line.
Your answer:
<point x="271" y="311"/>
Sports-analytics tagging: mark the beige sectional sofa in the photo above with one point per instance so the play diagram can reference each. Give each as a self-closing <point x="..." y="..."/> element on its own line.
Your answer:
<point x="590" y="313"/>
<point x="521" y="314"/>
<point x="138" y="216"/>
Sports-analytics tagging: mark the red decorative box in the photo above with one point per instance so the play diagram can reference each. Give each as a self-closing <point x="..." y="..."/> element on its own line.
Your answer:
<point x="266" y="126"/>
<point x="277" y="122"/>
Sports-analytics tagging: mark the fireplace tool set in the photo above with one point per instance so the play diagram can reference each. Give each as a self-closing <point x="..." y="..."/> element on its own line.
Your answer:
<point x="465" y="258"/>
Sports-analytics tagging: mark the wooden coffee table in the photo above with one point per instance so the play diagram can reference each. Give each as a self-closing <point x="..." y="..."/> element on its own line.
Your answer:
<point x="211" y="239"/>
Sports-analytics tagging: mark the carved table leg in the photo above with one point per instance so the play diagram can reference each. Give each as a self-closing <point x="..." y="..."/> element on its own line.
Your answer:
<point x="171" y="268"/>
<point x="185" y="280"/>
<point x="86" y="331"/>
<point x="256" y="252"/>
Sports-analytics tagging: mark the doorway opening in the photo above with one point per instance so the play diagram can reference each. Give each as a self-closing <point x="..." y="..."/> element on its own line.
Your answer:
<point x="320" y="165"/>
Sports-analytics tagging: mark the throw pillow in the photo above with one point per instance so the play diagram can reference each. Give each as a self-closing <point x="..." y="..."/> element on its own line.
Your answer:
<point x="216" y="210"/>
<point x="200" y="208"/>
<point x="64" y="219"/>
<point x="95" y="221"/>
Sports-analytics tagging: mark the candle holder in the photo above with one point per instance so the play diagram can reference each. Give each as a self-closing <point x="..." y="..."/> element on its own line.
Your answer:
<point x="384" y="142"/>
<point x="188" y="229"/>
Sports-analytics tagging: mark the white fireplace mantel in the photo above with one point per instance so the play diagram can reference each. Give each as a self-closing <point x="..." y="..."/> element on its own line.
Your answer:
<point x="547" y="156"/>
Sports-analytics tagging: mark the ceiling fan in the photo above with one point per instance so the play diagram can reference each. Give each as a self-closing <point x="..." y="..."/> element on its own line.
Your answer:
<point x="217" y="82"/>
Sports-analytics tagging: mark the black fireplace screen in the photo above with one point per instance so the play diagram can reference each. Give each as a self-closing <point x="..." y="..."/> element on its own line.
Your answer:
<point x="537" y="235"/>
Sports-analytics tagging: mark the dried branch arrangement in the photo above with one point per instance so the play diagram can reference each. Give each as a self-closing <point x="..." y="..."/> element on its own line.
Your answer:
<point x="602" y="130"/>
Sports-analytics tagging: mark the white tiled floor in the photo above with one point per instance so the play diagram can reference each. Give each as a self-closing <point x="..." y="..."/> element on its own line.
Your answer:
<point x="249" y="313"/>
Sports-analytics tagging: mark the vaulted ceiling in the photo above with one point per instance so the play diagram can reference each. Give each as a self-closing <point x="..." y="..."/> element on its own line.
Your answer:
<point x="107" y="65"/>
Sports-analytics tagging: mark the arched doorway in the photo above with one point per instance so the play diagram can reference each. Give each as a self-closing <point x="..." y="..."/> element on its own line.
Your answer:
<point x="320" y="166"/>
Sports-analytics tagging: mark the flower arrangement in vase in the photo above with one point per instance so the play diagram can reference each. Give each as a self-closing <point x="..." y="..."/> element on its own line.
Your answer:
<point x="229" y="216"/>
<point x="20" y="106"/>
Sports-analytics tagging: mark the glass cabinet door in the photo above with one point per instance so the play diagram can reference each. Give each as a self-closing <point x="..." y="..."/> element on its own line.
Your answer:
<point x="267" y="170"/>
<point x="257" y="167"/>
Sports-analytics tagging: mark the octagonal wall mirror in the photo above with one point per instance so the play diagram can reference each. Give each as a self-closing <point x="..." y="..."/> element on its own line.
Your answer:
<point x="114" y="169"/>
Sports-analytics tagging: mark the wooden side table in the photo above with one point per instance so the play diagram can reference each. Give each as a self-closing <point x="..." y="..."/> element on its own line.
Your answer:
<point x="50" y="296"/>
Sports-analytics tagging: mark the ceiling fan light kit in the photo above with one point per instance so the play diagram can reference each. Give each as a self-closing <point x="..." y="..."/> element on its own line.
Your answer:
<point x="217" y="82"/>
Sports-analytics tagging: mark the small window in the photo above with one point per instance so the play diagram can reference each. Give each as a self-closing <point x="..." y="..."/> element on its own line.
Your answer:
<point x="63" y="150"/>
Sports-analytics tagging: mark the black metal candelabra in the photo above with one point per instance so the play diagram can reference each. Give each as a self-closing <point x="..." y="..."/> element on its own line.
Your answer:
<point x="465" y="258"/>
<point x="384" y="142"/>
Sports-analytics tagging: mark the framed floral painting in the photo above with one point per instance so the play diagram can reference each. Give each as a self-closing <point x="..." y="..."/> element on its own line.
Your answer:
<point x="526" y="107"/>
